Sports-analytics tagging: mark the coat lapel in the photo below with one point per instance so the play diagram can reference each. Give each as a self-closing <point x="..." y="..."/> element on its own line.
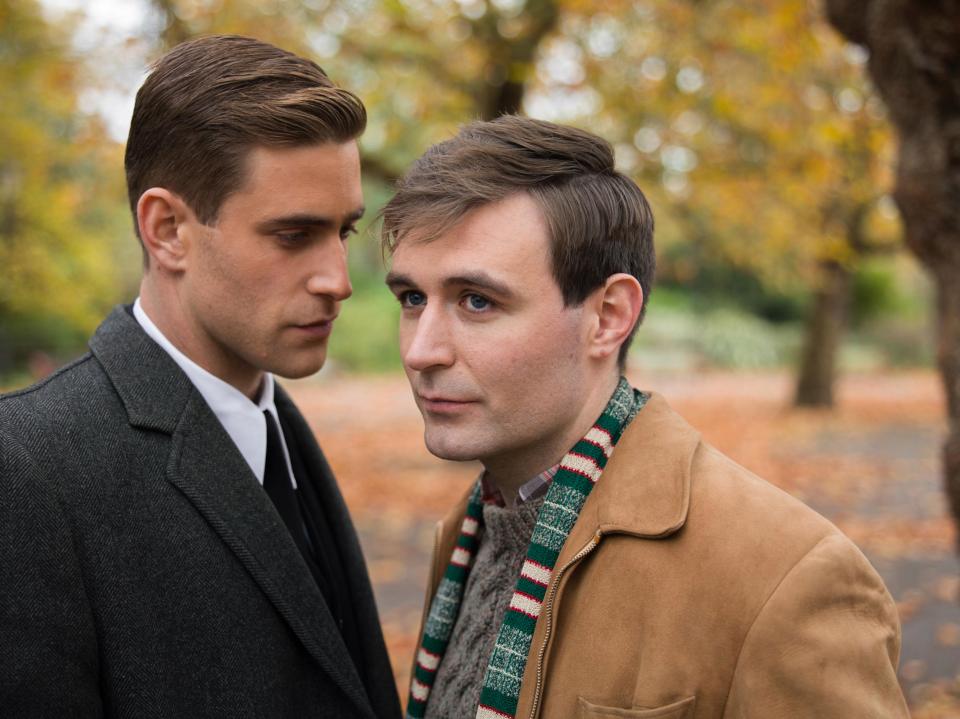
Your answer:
<point x="645" y="489"/>
<point x="381" y="688"/>
<point x="212" y="474"/>
<point x="208" y="469"/>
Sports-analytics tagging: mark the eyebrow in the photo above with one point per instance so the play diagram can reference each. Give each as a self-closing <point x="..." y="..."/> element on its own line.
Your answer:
<point x="395" y="279"/>
<point x="478" y="279"/>
<point x="306" y="220"/>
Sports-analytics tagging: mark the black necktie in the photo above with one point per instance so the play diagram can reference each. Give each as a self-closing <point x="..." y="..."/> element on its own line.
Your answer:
<point x="309" y="528"/>
<point x="276" y="482"/>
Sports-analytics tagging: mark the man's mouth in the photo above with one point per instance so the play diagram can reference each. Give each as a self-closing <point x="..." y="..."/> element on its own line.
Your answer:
<point x="441" y="404"/>
<point x="320" y="328"/>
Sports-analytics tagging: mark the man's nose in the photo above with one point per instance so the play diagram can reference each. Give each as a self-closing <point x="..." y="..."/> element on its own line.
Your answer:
<point x="430" y="344"/>
<point x="329" y="273"/>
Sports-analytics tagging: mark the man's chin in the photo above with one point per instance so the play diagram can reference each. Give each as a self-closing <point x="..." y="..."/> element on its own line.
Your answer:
<point x="445" y="448"/>
<point x="298" y="370"/>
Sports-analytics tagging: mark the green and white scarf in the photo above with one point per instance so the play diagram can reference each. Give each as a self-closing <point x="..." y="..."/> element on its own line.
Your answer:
<point x="578" y="473"/>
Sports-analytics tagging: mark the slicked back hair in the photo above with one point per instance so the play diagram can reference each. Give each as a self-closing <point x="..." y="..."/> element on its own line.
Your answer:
<point x="598" y="220"/>
<point x="209" y="101"/>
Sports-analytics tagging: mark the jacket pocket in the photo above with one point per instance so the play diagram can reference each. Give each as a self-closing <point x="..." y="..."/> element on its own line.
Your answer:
<point x="682" y="709"/>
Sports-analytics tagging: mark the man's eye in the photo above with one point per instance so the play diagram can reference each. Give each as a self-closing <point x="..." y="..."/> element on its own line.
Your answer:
<point x="477" y="303"/>
<point x="293" y="237"/>
<point x="412" y="298"/>
<point x="347" y="231"/>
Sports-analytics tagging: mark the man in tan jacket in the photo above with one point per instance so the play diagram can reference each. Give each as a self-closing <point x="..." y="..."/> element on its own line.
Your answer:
<point x="607" y="563"/>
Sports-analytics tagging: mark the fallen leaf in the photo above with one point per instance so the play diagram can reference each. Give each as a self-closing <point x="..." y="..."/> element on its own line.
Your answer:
<point x="948" y="589"/>
<point x="913" y="670"/>
<point x="948" y="635"/>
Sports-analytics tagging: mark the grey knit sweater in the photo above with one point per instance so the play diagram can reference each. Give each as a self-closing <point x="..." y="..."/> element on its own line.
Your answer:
<point x="503" y="546"/>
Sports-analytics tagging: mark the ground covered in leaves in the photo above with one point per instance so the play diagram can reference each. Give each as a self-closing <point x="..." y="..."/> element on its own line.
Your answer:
<point x="871" y="466"/>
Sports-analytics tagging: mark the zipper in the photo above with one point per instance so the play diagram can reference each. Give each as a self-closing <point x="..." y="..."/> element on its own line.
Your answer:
<point x="548" y="608"/>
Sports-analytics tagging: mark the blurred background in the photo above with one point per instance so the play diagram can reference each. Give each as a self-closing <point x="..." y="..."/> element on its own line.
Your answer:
<point x="789" y="322"/>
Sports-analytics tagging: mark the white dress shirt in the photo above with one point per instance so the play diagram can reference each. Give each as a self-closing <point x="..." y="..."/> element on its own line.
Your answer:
<point x="242" y="418"/>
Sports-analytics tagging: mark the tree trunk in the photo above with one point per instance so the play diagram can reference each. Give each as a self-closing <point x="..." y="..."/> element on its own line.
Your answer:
<point x="948" y="358"/>
<point x="826" y="326"/>
<point x="915" y="63"/>
<point x="830" y="315"/>
<point x="511" y="61"/>
<point x="507" y="99"/>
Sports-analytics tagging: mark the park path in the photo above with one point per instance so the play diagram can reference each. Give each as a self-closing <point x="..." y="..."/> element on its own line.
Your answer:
<point x="871" y="466"/>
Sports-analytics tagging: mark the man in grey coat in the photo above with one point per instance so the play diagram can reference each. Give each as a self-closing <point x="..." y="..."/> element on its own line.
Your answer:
<point x="172" y="541"/>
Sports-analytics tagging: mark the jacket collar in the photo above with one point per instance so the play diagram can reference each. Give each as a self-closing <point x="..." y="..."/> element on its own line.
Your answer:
<point x="210" y="472"/>
<point x="151" y="386"/>
<point x="644" y="490"/>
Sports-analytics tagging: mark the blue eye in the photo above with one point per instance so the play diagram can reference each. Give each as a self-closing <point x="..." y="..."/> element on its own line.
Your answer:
<point x="412" y="298"/>
<point x="477" y="303"/>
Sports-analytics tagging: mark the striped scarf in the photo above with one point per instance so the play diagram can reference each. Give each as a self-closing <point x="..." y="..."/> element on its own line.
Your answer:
<point x="579" y="471"/>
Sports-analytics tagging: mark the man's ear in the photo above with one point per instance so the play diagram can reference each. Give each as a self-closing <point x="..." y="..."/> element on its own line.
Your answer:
<point x="617" y="304"/>
<point x="162" y="217"/>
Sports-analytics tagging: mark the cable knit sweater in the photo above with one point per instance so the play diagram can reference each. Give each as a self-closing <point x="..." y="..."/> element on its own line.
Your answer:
<point x="503" y="546"/>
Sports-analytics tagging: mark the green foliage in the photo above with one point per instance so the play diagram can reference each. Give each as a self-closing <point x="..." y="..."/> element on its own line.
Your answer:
<point x="687" y="328"/>
<point x="875" y="291"/>
<point x="899" y="341"/>
<point x="365" y="333"/>
<point x="716" y="284"/>
<point x="678" y="338"/>
<point x="734" y="340"/>
<point x="686" y="336"/>
<point x="891" y="310"/>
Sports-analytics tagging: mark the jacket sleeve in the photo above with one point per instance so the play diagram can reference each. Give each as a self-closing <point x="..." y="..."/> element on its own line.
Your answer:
<point x="48" y="649"/>
<point x="825" y="644"/>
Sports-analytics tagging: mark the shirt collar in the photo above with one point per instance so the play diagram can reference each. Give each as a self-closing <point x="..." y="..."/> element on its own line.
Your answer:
<point x="531" y="489"/>
<point x="241" y="418"/>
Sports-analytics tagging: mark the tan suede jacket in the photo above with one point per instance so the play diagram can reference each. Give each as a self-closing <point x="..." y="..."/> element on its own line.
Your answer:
<point x="691" y="589"/>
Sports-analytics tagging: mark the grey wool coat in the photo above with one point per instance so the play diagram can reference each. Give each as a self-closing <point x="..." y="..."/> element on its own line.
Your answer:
<point x="143" y="570"/>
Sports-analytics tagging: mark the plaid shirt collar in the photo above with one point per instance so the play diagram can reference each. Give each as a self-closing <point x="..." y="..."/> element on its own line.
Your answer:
<point x="531" y="489"/>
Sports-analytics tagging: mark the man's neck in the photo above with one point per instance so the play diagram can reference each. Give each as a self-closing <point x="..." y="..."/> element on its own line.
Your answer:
<point x="179" y="331"/>
<point x="511" y="471"/>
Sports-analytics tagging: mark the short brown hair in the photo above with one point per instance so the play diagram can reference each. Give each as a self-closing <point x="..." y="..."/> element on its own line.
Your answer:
<point x="598" y="220"/>
<point x="209" y="101"/>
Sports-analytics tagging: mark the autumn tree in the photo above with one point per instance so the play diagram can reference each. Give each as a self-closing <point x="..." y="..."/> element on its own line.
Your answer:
<point x="749" y="124"/>
<point x="422" y="68"/>
<point x="915" y="63"/>
<point x="753" y="127"/>
<point x="57" y="220"/>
